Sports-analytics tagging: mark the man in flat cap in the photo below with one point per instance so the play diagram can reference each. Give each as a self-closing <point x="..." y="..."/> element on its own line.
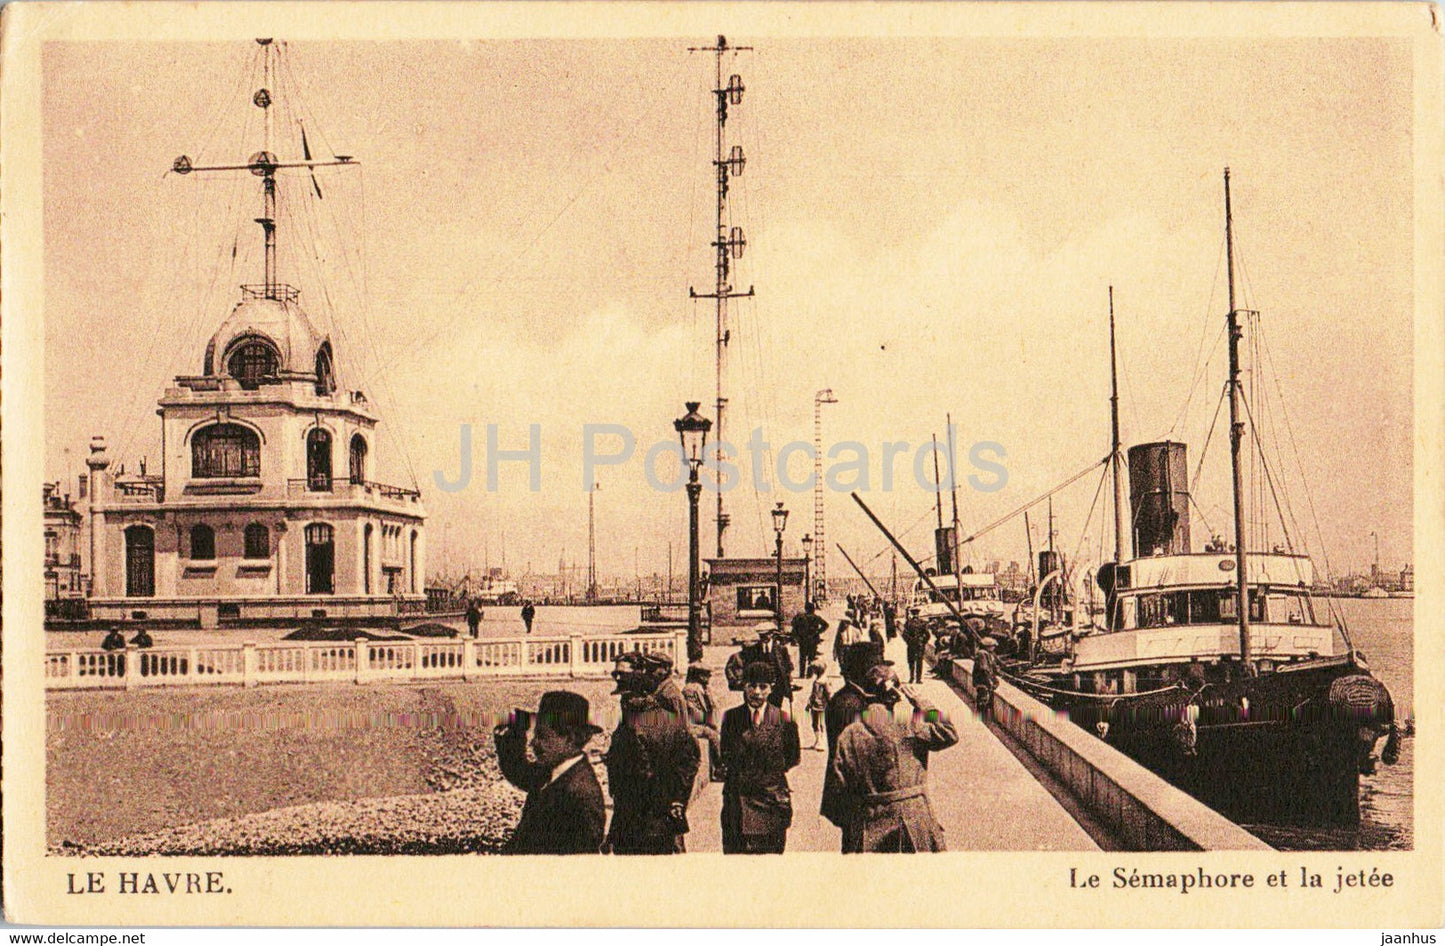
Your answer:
<point x="702" y="719"/>
<point x="759" y="746"/>
<point x="564" y="812"/>
<point x="664" y="688"/>
<point x="651" y="765"/>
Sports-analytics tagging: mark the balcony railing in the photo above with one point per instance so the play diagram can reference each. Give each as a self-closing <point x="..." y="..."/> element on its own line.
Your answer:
<point x="349" y="489"/>
<point x="151" y="489"/>
<point x="279" y="290"/>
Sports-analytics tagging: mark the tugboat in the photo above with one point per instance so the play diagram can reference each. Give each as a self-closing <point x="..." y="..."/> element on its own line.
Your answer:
<point x="1215" y="669"/>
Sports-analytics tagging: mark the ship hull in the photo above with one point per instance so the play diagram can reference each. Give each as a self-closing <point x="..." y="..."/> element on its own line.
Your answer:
<point x="1285" y="748"/>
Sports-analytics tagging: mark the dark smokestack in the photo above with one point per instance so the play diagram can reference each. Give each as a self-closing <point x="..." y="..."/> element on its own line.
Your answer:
<point x="1159" y="498"/>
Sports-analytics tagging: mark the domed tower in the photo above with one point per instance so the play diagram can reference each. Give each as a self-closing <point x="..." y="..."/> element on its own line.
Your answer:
<point x="267" y="507"/>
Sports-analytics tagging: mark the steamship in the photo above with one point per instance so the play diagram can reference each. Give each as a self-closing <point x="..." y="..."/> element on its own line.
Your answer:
<point x="1217" y="669"/>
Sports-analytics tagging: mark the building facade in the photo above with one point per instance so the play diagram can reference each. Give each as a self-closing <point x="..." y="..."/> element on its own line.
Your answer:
<point x="65" y="576"/>
<point x="265" y="507"/>
<point x="741" y="591"/>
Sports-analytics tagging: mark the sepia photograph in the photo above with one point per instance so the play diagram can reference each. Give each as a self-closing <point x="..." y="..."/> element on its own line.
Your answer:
<point x="496" y="446"/>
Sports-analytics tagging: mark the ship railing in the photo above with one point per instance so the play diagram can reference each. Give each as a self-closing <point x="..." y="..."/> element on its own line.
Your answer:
<point x="359" y="661"/>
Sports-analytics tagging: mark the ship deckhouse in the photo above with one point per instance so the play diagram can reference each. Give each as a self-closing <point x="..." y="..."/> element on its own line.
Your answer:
<point x="266" y="506"/>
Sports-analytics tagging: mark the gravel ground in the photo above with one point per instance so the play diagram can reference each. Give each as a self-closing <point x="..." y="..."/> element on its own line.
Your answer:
<point x="287" y="769"/>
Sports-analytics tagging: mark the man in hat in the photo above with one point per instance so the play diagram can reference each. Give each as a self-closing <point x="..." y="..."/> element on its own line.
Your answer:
<point x="759" y="746"/>
<point x="808" y="630"/>
<point x="844" y="707"/>
<point x="651" y="765"/>
<point x="768" y="649"/>
<point x="702" y="714"/>
<point x="564" y="812"/>
<point x="915" y="638"/>
<point x="474" y="618"/>
<point x="880" y="768"/>
<point x="985" y="675"/>
<point x="664" y="688"/>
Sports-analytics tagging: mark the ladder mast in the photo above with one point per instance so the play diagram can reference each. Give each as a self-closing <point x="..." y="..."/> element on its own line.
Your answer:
<point x="729" y="245"/>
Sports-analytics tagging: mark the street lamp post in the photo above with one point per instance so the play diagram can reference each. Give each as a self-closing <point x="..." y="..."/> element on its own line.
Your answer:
<point x="780" y="522"/>
<point x="807" y="568"/>
<point x="692" y="430"/>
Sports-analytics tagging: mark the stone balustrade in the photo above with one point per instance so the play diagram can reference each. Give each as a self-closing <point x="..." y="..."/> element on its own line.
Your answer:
<point x="360" y="661"/>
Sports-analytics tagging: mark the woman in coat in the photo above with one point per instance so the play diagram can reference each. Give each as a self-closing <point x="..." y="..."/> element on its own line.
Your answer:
<point x="881" y="767"/>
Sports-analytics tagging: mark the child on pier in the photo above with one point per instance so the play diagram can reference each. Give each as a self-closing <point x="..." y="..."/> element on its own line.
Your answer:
<point x="818" y="702"/>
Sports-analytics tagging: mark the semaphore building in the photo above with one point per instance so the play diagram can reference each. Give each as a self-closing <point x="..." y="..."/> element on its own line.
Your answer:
<point x="265" y="507"/>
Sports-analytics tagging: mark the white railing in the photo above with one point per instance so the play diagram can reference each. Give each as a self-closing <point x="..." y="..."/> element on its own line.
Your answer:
<point x="358" y="661"/>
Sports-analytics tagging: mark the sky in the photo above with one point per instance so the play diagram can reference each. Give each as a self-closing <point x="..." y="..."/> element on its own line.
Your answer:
<point x="932" y="226"/>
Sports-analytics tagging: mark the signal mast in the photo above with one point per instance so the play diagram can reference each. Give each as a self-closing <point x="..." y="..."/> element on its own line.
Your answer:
<point x="728" y="242"/>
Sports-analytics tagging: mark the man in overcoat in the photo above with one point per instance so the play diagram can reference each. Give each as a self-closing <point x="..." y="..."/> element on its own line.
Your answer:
<point x="881" y="768"/>
<point x="759" y="745"/>
<point x="564" y="812"/>
<point x="843" y="708"/>
<point x="651" y="766"/>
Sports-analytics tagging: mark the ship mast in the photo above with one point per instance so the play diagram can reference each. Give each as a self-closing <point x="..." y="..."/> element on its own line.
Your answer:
<point x="1116" y="458"/>
<point x="729" y="243"/>
<point x="1236" y="435"/>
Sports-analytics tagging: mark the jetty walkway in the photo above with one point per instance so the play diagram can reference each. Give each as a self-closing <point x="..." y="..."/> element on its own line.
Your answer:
<point x="985" y="797"/>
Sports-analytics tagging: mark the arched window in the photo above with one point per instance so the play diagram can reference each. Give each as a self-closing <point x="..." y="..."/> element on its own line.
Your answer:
<point x="320" y="559"/>
<point x="203" y="542"/>
<point x="258" y="541"/>
<point x="412" y="569"/>
<point x="366" y="534"/>
<point x="318" y="460"/>
<point x="140" y="562"/>
<point x="252" y="362"/>
<point x="225" y="450"/>
<point x="358" y="459"/>
<point x="325" y="375"/>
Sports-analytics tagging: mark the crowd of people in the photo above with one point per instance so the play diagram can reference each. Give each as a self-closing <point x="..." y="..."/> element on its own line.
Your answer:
<point x="877" y="731"/>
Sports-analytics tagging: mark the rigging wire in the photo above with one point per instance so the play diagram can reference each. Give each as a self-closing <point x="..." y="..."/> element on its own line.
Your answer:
<point x="1033" y="502"/>
<point x="171" y="315"/>
<point x="1197" y="372"/>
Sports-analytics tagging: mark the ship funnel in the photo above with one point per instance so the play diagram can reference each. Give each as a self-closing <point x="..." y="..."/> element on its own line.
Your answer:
<point x="943" y="543"/>
<point x="1159" y="498"/>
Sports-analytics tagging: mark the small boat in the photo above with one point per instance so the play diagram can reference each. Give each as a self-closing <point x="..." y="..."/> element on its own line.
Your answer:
<point x="1374" y="591"/>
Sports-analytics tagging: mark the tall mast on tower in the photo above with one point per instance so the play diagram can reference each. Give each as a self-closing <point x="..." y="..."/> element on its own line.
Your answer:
<point x="729" y="241"/>
<point x="264" y="164"/>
